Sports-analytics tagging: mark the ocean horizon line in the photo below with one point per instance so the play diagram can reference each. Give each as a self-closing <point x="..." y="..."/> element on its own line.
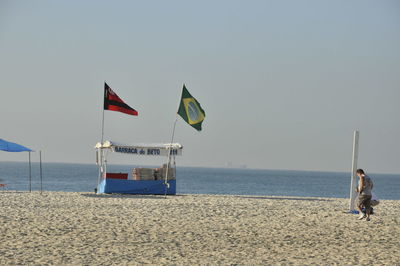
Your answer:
<point x="212" y="167"/>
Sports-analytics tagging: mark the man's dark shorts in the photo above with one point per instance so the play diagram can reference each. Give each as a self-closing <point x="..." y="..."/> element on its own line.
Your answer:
<point x="365" y="200"/>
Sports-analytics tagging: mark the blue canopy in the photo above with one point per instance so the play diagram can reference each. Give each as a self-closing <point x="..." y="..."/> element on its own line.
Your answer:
<point x="12" y="147"/>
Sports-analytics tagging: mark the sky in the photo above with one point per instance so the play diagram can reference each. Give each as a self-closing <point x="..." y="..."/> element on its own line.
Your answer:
<point x="284" y="84"/>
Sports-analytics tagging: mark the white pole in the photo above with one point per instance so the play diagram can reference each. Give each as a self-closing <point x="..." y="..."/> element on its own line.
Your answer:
<point x="353" y="193"/>
<point x="30" y="173"/>
<point x="102" y="165"/>
<point x="41" y="173"/>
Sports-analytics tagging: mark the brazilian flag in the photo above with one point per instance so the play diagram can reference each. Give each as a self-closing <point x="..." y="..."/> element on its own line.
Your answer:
<point x="190" y="110"/>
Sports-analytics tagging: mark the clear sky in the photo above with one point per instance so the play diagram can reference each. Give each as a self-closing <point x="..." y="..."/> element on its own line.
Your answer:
<point x="283" y="83"/>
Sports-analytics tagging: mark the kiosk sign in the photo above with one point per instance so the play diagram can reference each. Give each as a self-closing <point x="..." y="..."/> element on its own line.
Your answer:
<point x="150" y="151"/>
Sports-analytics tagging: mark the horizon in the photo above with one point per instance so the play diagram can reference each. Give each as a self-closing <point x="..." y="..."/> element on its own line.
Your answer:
<point x="205" y="167"/>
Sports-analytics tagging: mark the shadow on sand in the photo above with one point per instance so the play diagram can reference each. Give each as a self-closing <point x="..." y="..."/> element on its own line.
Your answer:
<point x="285" y="198"/>
<point x="127" y="196"/>
<point x="14" y="191"/>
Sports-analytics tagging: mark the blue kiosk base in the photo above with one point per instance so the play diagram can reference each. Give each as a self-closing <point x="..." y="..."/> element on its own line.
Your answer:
<point x="140" y="187"/>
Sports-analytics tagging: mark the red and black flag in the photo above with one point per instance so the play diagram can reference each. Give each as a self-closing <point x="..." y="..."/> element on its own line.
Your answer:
<point x="113" y="103"/>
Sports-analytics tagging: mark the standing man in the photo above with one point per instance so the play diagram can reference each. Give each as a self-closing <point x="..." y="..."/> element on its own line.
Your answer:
<point x="365" y="194"/>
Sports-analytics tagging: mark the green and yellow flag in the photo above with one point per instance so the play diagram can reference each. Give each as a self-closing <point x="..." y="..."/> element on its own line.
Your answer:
<point x="190" y="110"/>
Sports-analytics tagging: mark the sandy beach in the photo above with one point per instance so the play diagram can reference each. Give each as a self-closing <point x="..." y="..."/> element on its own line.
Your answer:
<point x="63" y="228"/>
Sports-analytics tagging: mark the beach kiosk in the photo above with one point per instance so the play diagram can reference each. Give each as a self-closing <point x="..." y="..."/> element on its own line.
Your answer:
<point x="141" y="180"/>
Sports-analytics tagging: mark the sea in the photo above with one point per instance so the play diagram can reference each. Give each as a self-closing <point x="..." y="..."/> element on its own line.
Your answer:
<point x="199" y="180"/>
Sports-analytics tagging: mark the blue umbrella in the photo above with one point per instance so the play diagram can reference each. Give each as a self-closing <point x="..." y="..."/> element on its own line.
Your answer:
<point x="12" y="147"/>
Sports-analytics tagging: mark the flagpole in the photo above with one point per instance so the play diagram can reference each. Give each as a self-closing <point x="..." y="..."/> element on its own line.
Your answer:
<point x="102" y="129"/>
<point x="169" y="152"/>
<point x="100" y="150"/>
<point x="102" y="122"/>
<point x="169" y="157"/>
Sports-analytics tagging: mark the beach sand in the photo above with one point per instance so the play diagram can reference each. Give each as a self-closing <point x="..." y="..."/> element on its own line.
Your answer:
<point x="66" y="228"/>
